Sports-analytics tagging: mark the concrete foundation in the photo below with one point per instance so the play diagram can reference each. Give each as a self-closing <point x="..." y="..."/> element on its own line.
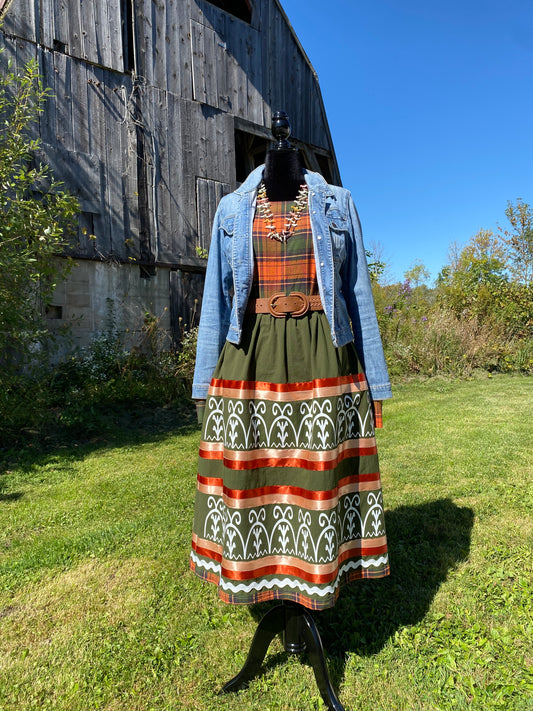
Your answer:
<point x="102" y="297"/>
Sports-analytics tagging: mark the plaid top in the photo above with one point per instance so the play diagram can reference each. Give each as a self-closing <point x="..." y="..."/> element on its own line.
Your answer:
<point x="280" y="267"/>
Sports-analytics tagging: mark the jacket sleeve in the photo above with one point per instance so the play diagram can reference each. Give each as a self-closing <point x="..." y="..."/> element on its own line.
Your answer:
<point x="216" y="309"/>
<point x="357" y="291"/>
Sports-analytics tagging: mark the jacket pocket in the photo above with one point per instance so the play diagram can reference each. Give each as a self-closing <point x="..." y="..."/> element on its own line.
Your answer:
<point x="227" y="228"/>
<point x="338" y="227"/>
<point x="228" y="225"/>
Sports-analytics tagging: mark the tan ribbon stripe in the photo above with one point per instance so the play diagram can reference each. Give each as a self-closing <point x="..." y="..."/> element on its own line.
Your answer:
<point x="296" y="395"/>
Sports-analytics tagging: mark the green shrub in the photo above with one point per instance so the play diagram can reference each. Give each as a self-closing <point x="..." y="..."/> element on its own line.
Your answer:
<point x="430" y="332"/>
<point x="36" y="216"/>
<point x="79" y="393"/>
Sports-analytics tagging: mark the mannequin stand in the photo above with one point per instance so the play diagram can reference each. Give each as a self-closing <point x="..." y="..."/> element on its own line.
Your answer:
<point x="299" y="635"/>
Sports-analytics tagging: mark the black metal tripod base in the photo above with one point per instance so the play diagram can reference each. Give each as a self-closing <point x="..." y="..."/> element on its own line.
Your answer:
<point x="300" y="634"/>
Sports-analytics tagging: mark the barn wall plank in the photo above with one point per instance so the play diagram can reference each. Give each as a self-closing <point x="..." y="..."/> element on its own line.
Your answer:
<point x="145" y="23"/>
<point x="63" y="100"/>
<point x="61" y="24"/>
<point x="163" y="206"/>
<point x="177" y="180"/>
<point x="75" y="38"/>
<point x="175" y="40"/>
<point x="116" y="35"/>
<point x="131" y="202"/>
<point x="101" y="30"/>
<point x="159" y="46"/>
<point x="116" y="145"/>
<point x="80" y="106"/>
<point x="47" y="23"/>
<point x="97" y="143"/>
<point x="88" y="31"/>
<point x="21" y="21"/>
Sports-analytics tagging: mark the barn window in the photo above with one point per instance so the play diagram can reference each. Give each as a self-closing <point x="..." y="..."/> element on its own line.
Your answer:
<point x="147" y="271"/>
<point x="53" y="311"/>
<point x="126" y="9"/>
<point x="240" y="8"/>
<point x="325" y="167"/>
<point x="208" y="64"/>
<point x="208" y="195"/>
<point x="61" y="47"/>
<point x="250" y="152"/>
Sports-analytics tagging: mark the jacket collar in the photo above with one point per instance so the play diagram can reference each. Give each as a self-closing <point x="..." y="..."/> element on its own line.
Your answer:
<point x="314" y="181"/>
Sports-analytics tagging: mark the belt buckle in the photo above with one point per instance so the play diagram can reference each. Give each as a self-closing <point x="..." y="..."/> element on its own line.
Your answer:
<point x="285" y="308"/>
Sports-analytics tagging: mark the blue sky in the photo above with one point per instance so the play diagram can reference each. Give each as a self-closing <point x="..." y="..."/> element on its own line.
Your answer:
<point x="430" y="106"/>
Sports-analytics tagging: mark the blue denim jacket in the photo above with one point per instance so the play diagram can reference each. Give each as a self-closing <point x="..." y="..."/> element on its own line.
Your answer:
<point x="342" y="275"/>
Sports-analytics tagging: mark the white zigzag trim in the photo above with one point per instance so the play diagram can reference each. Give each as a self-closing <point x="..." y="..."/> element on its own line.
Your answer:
<point x="289" y="582"/>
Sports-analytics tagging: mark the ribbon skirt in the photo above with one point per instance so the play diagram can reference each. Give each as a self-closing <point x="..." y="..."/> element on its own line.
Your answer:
<point x="288" y="499"/>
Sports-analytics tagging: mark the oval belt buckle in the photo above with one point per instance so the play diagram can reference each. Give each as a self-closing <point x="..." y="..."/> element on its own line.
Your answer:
<point x="281" y="305"/>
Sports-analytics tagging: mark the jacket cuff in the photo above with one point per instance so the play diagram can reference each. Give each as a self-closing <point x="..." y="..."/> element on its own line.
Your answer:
<point x="199" y="392"/>
<point x="380" y="392"/>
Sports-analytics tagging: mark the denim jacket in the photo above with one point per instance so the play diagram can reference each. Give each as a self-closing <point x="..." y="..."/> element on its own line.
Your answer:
<point x="342" y="275"/>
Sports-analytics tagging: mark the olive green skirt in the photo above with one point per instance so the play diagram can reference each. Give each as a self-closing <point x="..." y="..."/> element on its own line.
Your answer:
<point x="288" y="499"/>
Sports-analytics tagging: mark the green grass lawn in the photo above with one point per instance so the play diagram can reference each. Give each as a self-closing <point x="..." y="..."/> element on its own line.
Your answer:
<point x="99" y="611"/>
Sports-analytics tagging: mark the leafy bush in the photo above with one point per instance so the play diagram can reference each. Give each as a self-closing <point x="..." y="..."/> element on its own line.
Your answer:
<point x="443" y="344"/>
<point x="422" y="335"/>
<point x="36" y="215"/>
<point x="79" y="394"/>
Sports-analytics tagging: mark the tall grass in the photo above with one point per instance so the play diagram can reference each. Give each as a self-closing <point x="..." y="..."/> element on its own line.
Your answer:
<point x="425" y="332"/>
<point x="443" y="344"/>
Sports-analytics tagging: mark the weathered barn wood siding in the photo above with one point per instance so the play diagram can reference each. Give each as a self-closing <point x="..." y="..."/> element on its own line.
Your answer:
<point x="147" y="95"/>
<point x="91" y="31"/>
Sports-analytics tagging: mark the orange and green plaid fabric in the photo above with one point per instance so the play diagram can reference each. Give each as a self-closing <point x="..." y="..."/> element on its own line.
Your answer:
<point x="282" y="267"/>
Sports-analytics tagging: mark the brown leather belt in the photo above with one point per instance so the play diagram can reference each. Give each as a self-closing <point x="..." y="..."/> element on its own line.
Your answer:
<point x="280" y="305"/>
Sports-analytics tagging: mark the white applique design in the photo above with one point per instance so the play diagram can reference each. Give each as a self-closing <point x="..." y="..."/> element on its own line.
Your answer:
<point x="313" y="536"/>
<point x="318" y="425"/>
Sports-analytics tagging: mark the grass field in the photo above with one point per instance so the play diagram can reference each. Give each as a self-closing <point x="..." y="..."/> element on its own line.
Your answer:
<point x="98" y="609"/>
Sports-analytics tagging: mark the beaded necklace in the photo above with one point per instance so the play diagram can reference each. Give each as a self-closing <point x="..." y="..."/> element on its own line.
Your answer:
<point x="265" y="211"/>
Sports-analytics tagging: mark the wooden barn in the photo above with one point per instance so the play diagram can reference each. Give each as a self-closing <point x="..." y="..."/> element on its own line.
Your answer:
<point x="159" y="108"/>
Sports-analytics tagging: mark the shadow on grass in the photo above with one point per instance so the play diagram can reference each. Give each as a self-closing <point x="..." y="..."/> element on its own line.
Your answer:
<point x="426" y="541"/>
<point x="97" y="426"/>
<point x="15" y="496"/>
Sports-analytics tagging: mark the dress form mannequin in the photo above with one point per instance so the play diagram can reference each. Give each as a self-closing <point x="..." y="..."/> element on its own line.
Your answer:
<point x="283" y="175"/>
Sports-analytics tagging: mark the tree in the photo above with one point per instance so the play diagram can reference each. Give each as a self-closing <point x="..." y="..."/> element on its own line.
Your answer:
<point x="519" y="241"/>
<point x="417" y="274"/>
<point x="378" y="263"/>
<point x="473" y="269"/>
<point x="36" y="215"/>
<point x="481" y="261"/>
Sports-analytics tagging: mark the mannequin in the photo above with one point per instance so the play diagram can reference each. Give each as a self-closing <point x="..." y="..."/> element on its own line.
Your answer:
<point x="288" y="502"/>
<point x="283" y="176"/>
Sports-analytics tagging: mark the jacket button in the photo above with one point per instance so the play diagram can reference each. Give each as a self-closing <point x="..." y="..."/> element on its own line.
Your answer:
<point x="319" y="237"/>
<point x="321" y="264"/>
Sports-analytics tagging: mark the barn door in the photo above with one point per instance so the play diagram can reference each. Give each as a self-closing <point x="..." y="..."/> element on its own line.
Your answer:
<point x="208" y="195"/>
<point x="208" y="67"/>
<point x="185" y="302"/>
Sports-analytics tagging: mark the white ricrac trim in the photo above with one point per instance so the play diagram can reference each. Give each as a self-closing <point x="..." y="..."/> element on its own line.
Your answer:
<point x="289" y="582"/>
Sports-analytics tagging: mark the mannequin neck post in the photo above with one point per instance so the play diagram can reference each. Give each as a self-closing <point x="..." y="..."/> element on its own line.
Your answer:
<point x="283" y="174"/>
